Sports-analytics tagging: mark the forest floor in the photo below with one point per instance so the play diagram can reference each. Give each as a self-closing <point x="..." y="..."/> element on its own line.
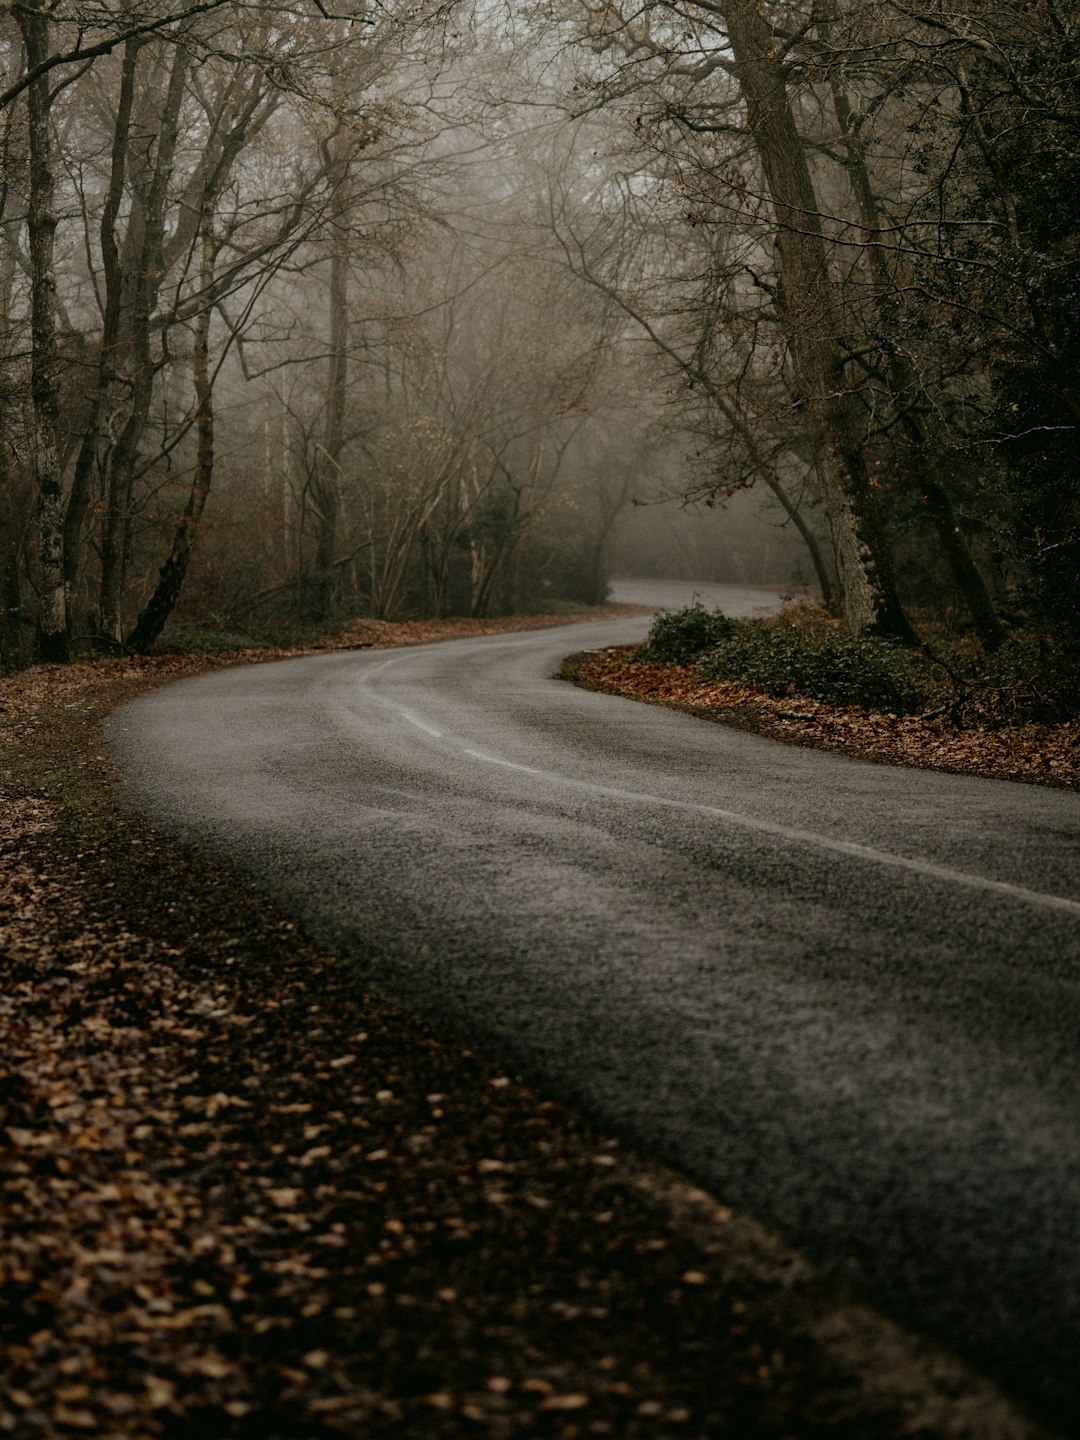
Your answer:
<point x="242" y="1196"/>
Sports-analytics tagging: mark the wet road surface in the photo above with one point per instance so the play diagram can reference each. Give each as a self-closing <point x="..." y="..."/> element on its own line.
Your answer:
<point x="843" y="996"/>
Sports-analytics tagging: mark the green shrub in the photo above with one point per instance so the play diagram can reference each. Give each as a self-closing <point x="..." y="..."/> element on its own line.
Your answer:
<point x="818" y="661"/>
<point x="678" y="636"/>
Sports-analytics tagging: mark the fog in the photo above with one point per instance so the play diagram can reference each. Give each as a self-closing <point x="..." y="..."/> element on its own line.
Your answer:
<point x="461" y="310"/>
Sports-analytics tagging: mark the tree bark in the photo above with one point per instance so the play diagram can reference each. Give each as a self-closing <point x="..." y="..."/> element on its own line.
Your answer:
<point x="869" y="599"/>
<point x="171" y="578"/>
<point x="12" y="628"/>
<point x="79" y="499"/>
<point x="52" y="636"/>
<point x="969" y="579"/>
<point x="328" y="463"/>
<point x="117" y="535"/>
<point x="11" y="646"/>
<point x="326" y="487"/>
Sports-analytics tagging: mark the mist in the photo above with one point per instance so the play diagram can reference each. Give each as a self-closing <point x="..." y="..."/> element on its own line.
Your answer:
<point x="460" y="311"/>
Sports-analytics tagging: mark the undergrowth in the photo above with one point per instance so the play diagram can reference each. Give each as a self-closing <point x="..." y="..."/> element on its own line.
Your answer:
<point x="803" y="651"/>
<point x="204" y="640"/>
<point x="824" y="664"/>
<point x="679" y="636"/>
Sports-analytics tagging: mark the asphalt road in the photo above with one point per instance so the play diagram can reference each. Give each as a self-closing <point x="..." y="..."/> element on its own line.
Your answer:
<point x="843" y="996"/>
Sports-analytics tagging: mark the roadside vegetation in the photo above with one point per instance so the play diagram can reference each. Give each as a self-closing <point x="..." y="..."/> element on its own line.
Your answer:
<point x="800" y="677"/>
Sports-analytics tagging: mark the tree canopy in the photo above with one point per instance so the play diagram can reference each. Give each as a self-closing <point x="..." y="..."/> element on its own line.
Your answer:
<point x="310" y="310"/>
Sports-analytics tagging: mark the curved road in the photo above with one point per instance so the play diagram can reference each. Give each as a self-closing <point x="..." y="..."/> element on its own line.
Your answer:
<point x="843" y="996"/>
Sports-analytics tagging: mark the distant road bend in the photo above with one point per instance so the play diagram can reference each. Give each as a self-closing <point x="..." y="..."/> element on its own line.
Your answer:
<point x="843" y="996"/>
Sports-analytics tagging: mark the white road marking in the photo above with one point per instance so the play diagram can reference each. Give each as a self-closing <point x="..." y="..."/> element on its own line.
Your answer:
<point x="801" y="837"/>
<point x="414" y="719"/>
<point x="849" y="848"/>
<point x="403" y="710"/>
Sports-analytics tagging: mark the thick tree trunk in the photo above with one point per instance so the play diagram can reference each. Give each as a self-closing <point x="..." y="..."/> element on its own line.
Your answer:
<point x="116" y="539"/>
<point x="12" y="629"/>
<point x="52" y="636"/>
<point x="869" y="599"/>
<point x="967" y="575"/>
<point x="173" y="573"/>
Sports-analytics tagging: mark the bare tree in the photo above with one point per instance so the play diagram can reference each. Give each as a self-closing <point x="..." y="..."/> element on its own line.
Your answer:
<point x="52" y="639"/>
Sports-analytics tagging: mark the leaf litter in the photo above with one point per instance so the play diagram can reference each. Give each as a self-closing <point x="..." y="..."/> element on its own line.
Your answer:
<point x="1035" y="753"/>
<point x="242" y="1196"/>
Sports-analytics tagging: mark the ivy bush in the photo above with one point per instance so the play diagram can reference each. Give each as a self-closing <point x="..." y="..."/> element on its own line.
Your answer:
<point x="677" y="637"/>
<point x="819" y="661"/>
<point x="803" y="652"/>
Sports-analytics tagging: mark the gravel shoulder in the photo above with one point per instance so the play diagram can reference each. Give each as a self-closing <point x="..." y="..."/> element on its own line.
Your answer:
<point x="243" y="1196"/>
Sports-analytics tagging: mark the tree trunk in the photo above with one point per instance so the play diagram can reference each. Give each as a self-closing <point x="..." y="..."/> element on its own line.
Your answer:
<point x="173" y="573"/>
<point x="79" y="499"/>
<point x="870" y="603"/>
<point x="821" y="570"/>
<point x="12" y="635"/>
<point x="52" y="636"/>
<point x="326" y="480"/>
<point x="966" y="573"/>
<point x="121" y="477"/>
<point x="11" y="646"/>
<point x="328" y="463"/>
